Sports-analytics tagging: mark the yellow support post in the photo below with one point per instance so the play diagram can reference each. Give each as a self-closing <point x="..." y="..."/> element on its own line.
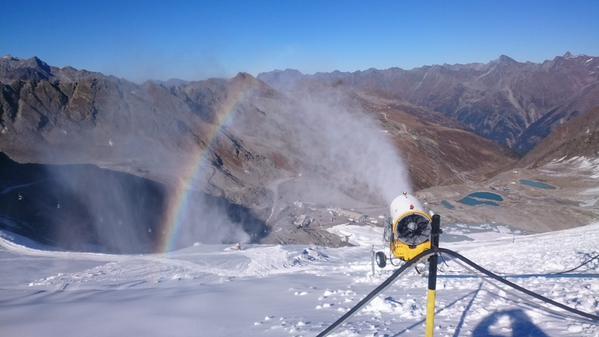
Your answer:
<point x="432" y="277"/>
<point x="430" y="313"/>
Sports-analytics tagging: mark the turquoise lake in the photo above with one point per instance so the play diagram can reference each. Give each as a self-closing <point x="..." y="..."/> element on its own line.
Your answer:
<point x="536" y="184"/>
<point x="481" y="198"/>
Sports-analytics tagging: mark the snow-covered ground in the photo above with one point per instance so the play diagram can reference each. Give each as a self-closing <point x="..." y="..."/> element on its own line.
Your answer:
<point x="209" y="290"/>
<point x="585" y="165"/>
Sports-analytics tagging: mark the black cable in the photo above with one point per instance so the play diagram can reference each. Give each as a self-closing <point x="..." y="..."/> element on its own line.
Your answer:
<point x="579" y="266"/>
<point x="583" y="275"/>
<point x="520" y="296"/>
<point x="375" y="292"/>
<point x="482" y="270"/>
<point x="517" y="287"/>
<point x="550" y="274"/>
<point x="444" y="262"/>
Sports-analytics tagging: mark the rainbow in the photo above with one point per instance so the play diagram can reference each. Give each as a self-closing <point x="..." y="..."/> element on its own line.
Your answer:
<point x="195" y="167"/>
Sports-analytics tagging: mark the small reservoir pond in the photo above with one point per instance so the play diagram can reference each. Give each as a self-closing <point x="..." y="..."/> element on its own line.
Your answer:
<point x="536" y="184"/>
<point x="481" y="198"/>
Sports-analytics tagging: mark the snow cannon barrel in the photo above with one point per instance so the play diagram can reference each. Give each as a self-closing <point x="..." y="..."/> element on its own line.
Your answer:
<point x="409" y="228"/>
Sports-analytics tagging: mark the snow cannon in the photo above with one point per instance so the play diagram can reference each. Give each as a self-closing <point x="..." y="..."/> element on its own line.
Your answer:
<point x="407" y="231"/>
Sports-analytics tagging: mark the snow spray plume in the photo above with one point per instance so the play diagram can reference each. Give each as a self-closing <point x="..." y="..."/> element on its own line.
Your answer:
<point x="343" y="147"/>
<point x="352" y="146"/>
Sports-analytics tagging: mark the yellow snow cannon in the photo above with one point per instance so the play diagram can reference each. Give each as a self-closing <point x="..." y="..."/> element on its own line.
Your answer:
<point x="407" y="231"/>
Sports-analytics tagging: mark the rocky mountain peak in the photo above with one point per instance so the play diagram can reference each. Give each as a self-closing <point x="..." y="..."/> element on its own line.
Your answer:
<point x="246" y="80"/>
<point x="506" y="60"/>
<point x="12" y="68"/>
<point x="244" y="77"/>
<point x="9" y="57"/>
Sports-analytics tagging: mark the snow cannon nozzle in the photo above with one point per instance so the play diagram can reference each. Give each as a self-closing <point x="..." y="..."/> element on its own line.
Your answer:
<point x="410" y="230"/>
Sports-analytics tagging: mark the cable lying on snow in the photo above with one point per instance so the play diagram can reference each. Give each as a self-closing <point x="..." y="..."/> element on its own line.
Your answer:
<point x="391" y="279"/>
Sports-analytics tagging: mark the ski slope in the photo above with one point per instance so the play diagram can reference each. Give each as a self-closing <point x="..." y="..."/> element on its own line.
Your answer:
<point x="270" y="290"/>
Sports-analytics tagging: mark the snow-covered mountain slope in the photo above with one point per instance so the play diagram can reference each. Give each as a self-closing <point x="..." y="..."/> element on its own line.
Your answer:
<point x="265" y="290"/>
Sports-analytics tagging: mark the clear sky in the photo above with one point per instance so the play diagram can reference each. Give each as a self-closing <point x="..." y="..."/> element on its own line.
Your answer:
<point x="139" y="40"/>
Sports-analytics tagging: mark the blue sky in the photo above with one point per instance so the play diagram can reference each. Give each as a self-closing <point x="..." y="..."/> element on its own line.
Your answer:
<point x="139" y="40"/>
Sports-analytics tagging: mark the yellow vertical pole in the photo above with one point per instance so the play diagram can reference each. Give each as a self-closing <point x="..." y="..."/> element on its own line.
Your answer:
<point x="432" y="277"/>
<point x="430" y="313"/>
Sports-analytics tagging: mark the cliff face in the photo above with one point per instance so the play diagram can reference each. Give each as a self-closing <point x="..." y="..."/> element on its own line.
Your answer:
<point x="65" y="116"/>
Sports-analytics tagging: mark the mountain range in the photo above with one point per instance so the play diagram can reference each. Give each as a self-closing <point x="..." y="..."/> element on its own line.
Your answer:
<point x="515" y="104"/>
<point x="257" y="141"/>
